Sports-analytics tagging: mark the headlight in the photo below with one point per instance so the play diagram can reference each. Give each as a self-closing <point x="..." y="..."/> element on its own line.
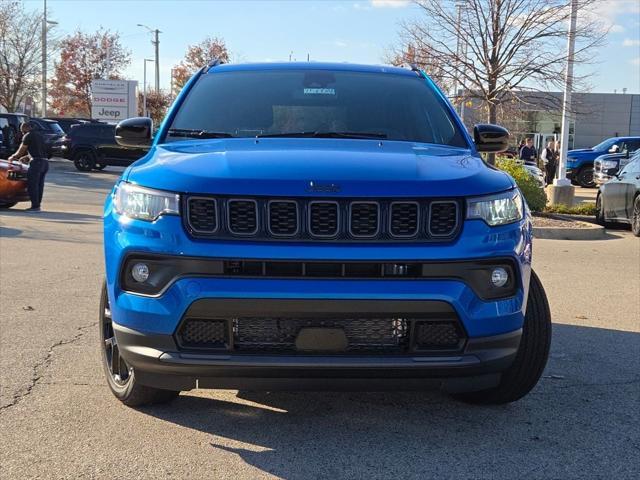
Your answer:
<point x="609" y="164"/>
<point x="500" y="209"/>
<point x="144" y="203"/>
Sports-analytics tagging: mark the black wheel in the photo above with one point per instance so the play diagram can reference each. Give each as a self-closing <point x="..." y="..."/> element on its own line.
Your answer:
<point x="84" y="160"/>
<point x="524" y="373"/>
<point x="600" y="218"/>
<point x="635" y="217"/>
<point x="8" y="204"/>
<point x="585" y="177"/>
<point x="121" y="377"/>
<point x="99" y="166"/>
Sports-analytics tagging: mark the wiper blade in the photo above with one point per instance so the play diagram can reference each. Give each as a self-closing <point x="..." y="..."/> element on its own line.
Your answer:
<point x="193" y="133"/>
<point x="319" y="134"/>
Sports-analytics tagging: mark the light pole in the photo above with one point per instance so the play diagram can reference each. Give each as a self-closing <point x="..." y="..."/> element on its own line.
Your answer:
<point x="144" y="94"/>
<point x="562" y="191"/>
<point x="45" y="22"/>
<point x="156" y="43"/>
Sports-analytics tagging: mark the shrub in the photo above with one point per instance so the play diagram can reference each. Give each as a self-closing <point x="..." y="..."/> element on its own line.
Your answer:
<point x="582" y="209"/>
<point x="534" y="195"/>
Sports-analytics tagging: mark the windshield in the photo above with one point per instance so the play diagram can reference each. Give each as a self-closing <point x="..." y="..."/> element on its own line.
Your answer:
<point x="604" y="146"/>
<point x="55" y="127"/>
<point x="315" y="103"/>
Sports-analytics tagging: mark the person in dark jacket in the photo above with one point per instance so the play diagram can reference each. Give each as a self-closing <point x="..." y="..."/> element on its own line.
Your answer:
<point x="33" y="145"/>
<point x="528" y="153"/>
<point x="550" y="157"/>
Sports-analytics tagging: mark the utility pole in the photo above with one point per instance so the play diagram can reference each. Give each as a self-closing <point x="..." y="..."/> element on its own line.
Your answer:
<point x="156" y="43"/>
<point x="144" y="94"/>
<point x="45" y="22"/>
<point x="562" y="191"/>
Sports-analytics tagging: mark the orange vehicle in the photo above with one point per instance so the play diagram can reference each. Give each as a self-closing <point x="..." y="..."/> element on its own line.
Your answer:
<point x="13" y="183"/>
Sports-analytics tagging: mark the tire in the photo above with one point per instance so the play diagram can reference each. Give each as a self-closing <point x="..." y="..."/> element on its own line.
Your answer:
<point x="84" y="160"/>
<point x="635" y="217"/>
<point x="99" y="166"/>
<point x="8" y="204"/>
<point x="524" y="373"/>
<point x="585" y="177"/>
<point x="120" y="377"/>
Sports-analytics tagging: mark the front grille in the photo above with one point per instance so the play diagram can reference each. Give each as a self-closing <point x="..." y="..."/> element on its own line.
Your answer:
<point x="323" y="219"/>
<point x="242" y="217"/>
<point x="364" y="335"/>
<point x="443" y="218"/>
<point x="202" y="214"/>
<point x="364" y="219"/>
<point x="437" y="335"/>
<point x="404" y="219"/>
<point x="283" y="218"/>
<point x="198" y="333"/>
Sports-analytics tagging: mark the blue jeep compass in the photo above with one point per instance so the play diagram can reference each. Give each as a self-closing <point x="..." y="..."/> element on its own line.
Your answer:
<point x="318" y="226"/>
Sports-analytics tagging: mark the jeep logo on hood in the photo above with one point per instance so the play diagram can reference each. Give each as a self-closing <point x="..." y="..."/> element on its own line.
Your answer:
<point x="316" y="187"/>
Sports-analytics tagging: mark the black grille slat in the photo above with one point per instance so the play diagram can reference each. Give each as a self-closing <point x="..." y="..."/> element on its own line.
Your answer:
<point x="242" y="217"/>
<point x="202" y="214"/>
<point x="324" y="219"/>
<point x="437" y="335"/>
<point x="404" y="219"/>
<point x="364" y="219"/>
<point x="443" y="218"/>
<point x="283" y="218"/>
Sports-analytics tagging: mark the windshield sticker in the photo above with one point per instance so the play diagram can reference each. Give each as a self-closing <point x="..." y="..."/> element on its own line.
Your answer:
<point x="319" y="91"/>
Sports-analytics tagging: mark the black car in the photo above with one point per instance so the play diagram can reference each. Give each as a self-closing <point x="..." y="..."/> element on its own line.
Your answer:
<point x="66" y="123"/>
<point x="11" y="135"/>
<point x="51" y="132"/>
<point x="618" y="200"/>
<point x="93" y="146"/>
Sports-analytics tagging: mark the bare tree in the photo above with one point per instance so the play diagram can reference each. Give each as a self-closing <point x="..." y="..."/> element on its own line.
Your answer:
<point x="20" y="54"/>
<point x="423" y="58"/>
<point x="496" y="50"/>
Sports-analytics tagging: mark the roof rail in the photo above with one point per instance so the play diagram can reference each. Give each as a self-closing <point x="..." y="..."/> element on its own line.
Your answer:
<point x="215" y="62"/>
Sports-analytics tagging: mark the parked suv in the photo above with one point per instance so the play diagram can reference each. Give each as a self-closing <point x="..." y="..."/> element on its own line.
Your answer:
<point x="51" y="134"/>
<point x="12" y="136"/>
<point x="93" y="146"/>
<point x="310" y="225"/>
<point x="580" y="162"/>
<point x="606" y="167"/>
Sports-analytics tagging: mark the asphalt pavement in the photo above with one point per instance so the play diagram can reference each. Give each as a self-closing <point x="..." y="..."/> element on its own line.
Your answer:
<point x="58" y="419"/>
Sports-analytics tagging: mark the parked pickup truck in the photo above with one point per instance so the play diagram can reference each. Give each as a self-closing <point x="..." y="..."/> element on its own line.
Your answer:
<point x="605" y="167"/>
<point x="580" y="162"/>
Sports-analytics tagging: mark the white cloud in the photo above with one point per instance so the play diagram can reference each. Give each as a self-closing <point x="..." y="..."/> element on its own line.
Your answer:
<point x="389" y="3"/>
<point x="340" y="44"/>
<point x="617" y="28"/>
<point x="628" y="42"/>
<point x="635" y="61"/>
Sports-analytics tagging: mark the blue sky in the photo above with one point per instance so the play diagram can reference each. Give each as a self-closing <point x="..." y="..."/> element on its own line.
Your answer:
<point x="354" y="31"/>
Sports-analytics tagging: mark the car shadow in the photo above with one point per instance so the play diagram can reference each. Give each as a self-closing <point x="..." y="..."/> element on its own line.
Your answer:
<point x="302" y="435"/>
<point x="63" y="174"/>
<point x="55" y="216"/>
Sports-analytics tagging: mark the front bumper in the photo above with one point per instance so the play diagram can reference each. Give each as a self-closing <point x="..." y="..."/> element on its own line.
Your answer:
<point x="158" y="363"/>
<point x="146" y="325"/>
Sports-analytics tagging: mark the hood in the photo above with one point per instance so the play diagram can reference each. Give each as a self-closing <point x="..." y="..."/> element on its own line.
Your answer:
<point x="611" y="156"/>
<point x="316" y="167"/>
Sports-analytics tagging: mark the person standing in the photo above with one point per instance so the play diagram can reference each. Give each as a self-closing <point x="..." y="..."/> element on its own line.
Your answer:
<point x="549" y="157"/>
<point x="528" y="153"/>
<point x="33" y="144"/>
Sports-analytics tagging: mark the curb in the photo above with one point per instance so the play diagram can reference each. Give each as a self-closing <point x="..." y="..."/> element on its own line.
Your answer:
<point x="588" y="231"/>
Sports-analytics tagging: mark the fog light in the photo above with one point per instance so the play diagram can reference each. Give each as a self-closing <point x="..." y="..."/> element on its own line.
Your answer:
<point x="499" y="277"/>
<point x="140" y="272"/>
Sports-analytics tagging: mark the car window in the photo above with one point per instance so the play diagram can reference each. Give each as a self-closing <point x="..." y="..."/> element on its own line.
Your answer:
<point x="55" y="128"/>
<point x="277" y="102"/>
<point x="631" y="167"/>
<point x="633" y="145"/>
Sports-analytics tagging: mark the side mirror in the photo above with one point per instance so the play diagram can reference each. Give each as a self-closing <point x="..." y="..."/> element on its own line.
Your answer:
<point x="134" y="132"/>
<point x="490" y="138"/>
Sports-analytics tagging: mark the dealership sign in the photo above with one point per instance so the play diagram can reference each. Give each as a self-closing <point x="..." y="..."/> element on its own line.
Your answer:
<point x="113" y="100"/>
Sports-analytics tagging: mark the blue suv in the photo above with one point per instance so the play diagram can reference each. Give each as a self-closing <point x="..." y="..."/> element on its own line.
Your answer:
<point x="310" y="225"/>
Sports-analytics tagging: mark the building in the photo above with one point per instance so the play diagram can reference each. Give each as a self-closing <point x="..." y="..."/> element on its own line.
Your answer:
<point x="596" y="116"/>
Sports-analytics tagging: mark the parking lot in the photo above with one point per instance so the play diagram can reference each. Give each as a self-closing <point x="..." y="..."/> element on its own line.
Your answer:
<point x="59" y="420"/>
